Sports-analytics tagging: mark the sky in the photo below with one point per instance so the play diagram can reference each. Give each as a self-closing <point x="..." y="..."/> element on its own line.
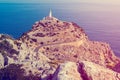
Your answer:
<point x="61" y="1"/>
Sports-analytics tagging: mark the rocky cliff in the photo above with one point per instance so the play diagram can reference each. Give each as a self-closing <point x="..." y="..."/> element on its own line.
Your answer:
<point x="57" y="50"/>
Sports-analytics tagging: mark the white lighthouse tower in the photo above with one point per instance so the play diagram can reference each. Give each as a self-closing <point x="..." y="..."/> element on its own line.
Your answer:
<point x="50" y="14"/>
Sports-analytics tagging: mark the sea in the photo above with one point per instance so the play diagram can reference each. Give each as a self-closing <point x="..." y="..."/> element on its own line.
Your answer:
<point x="101" y="22"/>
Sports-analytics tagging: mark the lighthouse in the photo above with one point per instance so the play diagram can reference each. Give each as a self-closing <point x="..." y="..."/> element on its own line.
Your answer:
<point x="50" y="14"/>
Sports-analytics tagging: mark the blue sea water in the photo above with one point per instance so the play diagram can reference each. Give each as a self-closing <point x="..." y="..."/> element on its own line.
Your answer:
<point x="101" y="22"/>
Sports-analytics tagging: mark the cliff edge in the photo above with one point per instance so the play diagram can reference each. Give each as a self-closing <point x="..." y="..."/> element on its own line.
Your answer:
<point x="57" y="50"/>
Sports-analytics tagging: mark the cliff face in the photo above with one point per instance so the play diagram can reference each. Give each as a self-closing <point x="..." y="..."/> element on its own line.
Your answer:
<point x="84" y="71"/>
<point x="44" y="50"/>
<point x="66" y="41"/>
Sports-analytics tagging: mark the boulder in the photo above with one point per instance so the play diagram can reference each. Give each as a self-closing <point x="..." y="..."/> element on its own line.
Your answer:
<point x="67" y="71"/>
<point x="84" y="71"/>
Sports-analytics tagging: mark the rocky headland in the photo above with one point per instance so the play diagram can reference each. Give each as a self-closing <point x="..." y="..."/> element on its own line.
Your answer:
<point x="56" y="50"/>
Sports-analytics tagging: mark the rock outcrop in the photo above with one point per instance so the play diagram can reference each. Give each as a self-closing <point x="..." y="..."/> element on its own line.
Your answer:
<point x="84" y="71"/>
<point x="92" y="71"/>
<point x="44" y="50"/>
<point x="17" y="52"/>
<point x="67" y="71"/>
<point x="66" y="41"/>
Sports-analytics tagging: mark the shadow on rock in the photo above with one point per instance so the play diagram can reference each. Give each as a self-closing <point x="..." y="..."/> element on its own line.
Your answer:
<point x="14" y="72"/>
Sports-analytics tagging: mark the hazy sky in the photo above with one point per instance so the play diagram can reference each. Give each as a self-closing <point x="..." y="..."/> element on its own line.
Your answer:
<point x="63" y="1"/>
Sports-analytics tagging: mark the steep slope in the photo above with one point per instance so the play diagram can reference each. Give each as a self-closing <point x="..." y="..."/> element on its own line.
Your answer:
<point x="66" y="41"/>
<point x="16" y="52"/>
<point x="49" y="44"/>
